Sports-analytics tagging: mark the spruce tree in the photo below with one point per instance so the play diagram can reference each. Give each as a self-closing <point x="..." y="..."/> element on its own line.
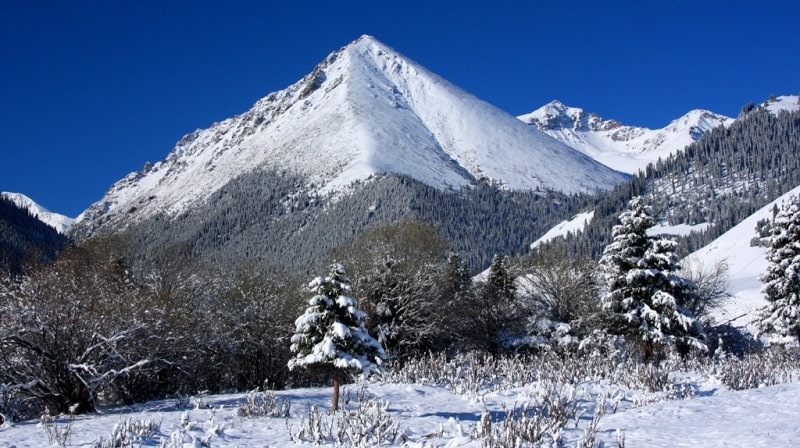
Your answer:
<point x="643" y="292"/>
<point x="331" y="333"/>
<point x="781" y="316"/>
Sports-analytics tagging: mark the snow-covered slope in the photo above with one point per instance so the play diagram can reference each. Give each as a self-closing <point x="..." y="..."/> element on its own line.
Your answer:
<point x="575" y="224"/>
<point x="745" y="262"/>
<point x="59" y="222"/>
<point x="365" y="109"/>
<point x="624" y="148"/>
<point x="789" y="103"/>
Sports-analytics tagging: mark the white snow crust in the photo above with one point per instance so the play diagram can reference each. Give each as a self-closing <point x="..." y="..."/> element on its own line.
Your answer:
<point x="57" y="221"/>
<point x="365" y="109"/>
<point x="624" y="148"/>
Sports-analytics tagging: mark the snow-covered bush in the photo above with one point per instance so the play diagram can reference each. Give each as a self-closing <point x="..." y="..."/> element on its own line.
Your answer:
<point x="72" y="329"/>
<point x="559" y="294"/>
<point x="755" y="370"/>
<point x="402" y="276"/>
<point x="367" y="424"/>
<point x="264" y="404"/>
<point x="58" y="434"/>
<point x="128" y="433"/>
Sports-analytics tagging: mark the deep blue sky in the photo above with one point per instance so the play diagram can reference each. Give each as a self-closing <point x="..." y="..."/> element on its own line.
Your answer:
<point x="91" y="90"/>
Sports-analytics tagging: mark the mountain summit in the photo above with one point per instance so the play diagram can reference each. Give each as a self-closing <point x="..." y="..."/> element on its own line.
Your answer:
<point x="364" y="109"/>
<point x="624" y="148"/>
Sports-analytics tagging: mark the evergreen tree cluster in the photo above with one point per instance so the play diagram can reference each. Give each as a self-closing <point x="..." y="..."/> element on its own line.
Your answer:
<point x="781" y="316"/>
<point x="720" y="180"/>
<point x="24" y="239"/>
<point x="275" y="218"/>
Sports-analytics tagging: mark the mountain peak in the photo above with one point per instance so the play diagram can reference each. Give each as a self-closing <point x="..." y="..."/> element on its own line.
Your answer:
<point x="365" y="109"/>
<point x="624" y="148"/>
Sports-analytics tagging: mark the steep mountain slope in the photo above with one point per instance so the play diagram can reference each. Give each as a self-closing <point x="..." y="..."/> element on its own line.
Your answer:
<point x="24" y="238"/>
<point x="365" y="109"/>
<point x="59" y="222"/>
<point x="624" y="148"/>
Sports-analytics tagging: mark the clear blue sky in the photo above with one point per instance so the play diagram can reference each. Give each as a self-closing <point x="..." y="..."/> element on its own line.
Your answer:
<point x="91" y="90"/>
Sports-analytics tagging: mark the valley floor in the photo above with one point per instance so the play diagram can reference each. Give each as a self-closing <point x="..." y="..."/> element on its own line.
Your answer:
<point x="434" y="416"/>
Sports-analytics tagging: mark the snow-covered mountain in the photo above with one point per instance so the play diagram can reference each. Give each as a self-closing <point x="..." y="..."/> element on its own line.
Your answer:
<point x="365" y="109"/>
<point x="59" y="222"/>
<point x="624" y="148"/>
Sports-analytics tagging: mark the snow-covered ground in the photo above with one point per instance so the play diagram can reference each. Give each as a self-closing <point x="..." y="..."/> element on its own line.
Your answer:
<point x="413" y="415"/>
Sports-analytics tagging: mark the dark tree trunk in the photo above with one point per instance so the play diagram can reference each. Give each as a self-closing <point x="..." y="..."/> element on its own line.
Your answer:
<point x="335" y="389"/>
<point x="648" y="352"/>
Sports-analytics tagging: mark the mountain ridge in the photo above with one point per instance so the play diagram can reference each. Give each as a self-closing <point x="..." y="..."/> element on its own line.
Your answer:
<point x="365" y="109"/>
<point x="622" y="147"/>
<point x="57" y="221"/>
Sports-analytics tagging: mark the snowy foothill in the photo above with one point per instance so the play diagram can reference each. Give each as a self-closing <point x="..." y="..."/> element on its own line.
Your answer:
<point x="746" y="263"/>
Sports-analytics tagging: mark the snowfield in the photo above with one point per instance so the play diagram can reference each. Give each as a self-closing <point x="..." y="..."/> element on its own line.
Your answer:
<point x="414" y="415"/>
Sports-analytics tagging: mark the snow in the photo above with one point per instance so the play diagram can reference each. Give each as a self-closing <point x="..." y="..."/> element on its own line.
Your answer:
<point x="676" y="230"/>
<point x="719" y="418"/>
<point x="628" y="149"/>
<point x="573" y="225"/>
<point x="746" y="263"/>
<point x="435" y="416"/>
<point x="365" y="109"/>
<point x="789" y="103"/>
<point x="59" y="222"/>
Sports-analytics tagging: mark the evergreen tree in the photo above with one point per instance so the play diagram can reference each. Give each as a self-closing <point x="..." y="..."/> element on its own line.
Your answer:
<point x="781" y="316"/>
<point x="501" y="279"/>
<point x="644" y="293"/>
<point x="331" y="332"/>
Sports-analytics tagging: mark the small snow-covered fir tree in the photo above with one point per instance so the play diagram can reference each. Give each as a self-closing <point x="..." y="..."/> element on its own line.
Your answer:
<point x="331" y="332"/>
<point x="781" y="280"/>
<point x="643" y="292"/>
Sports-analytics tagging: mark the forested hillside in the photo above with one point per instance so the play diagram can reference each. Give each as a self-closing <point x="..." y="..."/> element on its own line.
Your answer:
<point x="720" y="180"/>
<point x="271" y="217"/>
<point x="24" y="238"/>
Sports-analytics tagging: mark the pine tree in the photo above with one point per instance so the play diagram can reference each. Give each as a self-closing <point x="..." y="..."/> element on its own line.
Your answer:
<point x="331" y="333"/>
<point x="644" y="293"/>
<point x="781" y="316"/>
<point x="501" y="279"/>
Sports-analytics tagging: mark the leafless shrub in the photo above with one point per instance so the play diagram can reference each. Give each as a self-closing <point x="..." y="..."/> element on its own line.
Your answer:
<point x="128" y="432"/>
<point x="264" y="404"/>
<point x="58" y="434"/>
<point x="365" y="425"/>
<point x="756" y="370"/>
